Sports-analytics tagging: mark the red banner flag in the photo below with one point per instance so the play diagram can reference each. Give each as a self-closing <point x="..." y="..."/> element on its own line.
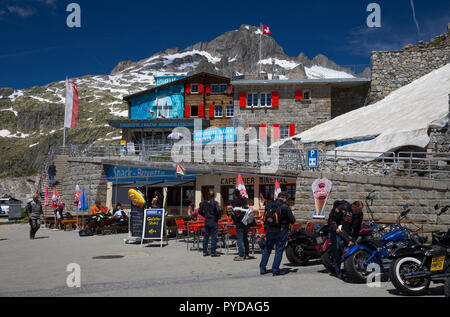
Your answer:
<point x="71" y="115"/>
<point x="241" y="187"/>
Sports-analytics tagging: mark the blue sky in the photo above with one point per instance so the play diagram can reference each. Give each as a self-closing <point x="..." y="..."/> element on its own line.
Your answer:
<point x="37" y="47"/>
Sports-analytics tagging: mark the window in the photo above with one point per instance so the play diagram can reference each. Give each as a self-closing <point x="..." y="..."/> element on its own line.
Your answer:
<point x="214" y="89"/>
<point x="223" y="89"/>
<point x="252" y="100"/>
<point x="306" y="95"/>
<point x="266" y="100"/>
<point x="194" y="88"/>
<point x="218" y="112"/>
<point x="194" y="111"/>
<point x="230" y="111"/>
<point x="284" y="131"/>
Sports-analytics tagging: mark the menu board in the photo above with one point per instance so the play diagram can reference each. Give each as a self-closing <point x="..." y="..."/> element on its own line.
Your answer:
<point x="136" y="224"/>
<point x="153" y="225"/>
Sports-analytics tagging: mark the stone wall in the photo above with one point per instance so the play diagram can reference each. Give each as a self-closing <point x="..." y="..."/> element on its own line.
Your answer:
<point x="87" y="173"/>
<point x="392" y="193"/>
<point x="344" y="100"/>
<point x="304" y="114"/>
<point x="394" y="69"/>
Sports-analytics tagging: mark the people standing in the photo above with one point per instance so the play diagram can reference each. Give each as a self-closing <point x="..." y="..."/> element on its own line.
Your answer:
<point x="34" y="212"/>
<point x="157" y="201"/>
<point x="241" y="229"/>
<point x="277" y="219"/>
<point x="51" y="175"/>
<point x="209" y="209"/>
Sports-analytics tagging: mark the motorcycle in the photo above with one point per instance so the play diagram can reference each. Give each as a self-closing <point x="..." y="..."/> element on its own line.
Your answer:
<point x="416" y="267"/>
<point x="303" y="246"/>
<point x="359" y="257"/>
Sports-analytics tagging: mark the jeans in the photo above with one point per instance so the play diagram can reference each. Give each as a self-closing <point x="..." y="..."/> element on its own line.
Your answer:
<point x="336" y="249"/>
<point x="35" y="224"/>
<point x="242" y="241"/>
<point x="211" y="228"/>
<point x="51" y="180"/>
<point x="278" y="239"/>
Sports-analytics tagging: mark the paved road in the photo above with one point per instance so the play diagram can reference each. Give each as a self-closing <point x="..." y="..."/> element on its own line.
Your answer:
<point x="39" y="268"/>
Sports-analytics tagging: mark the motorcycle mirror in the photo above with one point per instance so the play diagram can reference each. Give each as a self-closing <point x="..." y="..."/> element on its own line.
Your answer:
<point x="405" y="207"/>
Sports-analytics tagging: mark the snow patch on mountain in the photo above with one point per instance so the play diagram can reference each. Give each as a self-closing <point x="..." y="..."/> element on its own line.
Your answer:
<point x="320" y="72"/>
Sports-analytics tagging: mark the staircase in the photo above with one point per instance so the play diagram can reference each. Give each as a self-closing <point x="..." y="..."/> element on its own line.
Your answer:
<point x="61" y="168"/>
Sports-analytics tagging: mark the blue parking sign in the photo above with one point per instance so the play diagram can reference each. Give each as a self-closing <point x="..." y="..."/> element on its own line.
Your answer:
<point x="313" y="158"/>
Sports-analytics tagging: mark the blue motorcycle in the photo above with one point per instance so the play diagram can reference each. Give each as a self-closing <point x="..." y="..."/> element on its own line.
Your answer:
<point x="359" y="257"/>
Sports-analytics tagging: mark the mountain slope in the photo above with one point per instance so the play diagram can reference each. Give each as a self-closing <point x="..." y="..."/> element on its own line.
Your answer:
<point x="31" y="120"/>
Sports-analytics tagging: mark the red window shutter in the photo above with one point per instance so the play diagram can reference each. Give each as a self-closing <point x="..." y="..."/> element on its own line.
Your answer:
<point x="211" y="111"/>
<point x="200" y="111"/>
<point x="200" y="88"/>
<point x="243" y="99"/>
<point x="262" y="132"/>
<point x="229" y="89"/>
<point x="276" y="132"/>
<point x="187" y="111"/>
<point x="291" y="130"/>
<point x="188" y="88"/>
<point x="208" y="88"/>
<point x="275" y="99"/>
<point x="299" y="95"/>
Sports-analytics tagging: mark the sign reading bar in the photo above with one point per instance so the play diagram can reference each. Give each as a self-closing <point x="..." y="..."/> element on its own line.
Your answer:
<point x="153" y="225"/>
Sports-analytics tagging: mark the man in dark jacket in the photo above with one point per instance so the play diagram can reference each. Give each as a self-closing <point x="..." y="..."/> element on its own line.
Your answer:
<point x="276" y="232"/>
<point x="51" y="175"/>
<point x="210" y="210"/>
<point x="241" y="229"/>
<point x="34" y="212"/>
<point x="345" y="223"/>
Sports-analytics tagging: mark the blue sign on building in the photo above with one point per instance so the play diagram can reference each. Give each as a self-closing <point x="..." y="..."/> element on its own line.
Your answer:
<point x="162" y="80"/>
<point x="313" y="159"/>
<point x="131" y="174"/>
<point x="215" y="135"/>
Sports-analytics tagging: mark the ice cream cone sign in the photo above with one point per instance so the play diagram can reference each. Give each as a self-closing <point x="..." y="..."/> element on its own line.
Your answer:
<point x="321" y="189"/>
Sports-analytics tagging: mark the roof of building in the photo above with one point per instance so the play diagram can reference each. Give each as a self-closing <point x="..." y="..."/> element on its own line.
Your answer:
<point x="337" y="81"/>
<point x="176" y="82"/>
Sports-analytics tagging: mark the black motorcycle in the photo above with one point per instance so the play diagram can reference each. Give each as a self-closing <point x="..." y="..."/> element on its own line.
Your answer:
<point x="303" y="246"/>
<point x="415" y="267"/>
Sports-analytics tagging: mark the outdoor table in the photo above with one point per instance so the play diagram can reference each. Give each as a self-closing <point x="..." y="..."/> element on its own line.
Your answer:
<point x="253" y="231"/>
<point x="196" y="225"/>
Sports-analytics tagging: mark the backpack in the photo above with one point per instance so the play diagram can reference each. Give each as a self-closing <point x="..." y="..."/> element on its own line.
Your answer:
<point x="272" y="217"/>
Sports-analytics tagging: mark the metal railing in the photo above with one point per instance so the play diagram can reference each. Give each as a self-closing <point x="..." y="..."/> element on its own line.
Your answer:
<point x="433" y="165"/>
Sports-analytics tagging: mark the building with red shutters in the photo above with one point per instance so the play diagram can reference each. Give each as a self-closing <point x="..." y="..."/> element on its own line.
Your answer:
<point x="280" y="109"/>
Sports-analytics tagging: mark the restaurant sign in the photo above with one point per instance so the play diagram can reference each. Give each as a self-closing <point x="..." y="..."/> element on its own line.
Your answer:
<point x="131" y="174"/>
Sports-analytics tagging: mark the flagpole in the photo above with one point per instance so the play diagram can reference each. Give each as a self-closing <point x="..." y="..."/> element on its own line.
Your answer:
<point x="260" y="50"/>
<point x="64" y="133"/>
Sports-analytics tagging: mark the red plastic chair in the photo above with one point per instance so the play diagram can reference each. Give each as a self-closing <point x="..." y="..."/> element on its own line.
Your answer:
<point x="181" y="227"/>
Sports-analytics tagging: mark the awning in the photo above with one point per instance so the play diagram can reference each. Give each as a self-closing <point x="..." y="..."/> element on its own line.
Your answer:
<point x="138" y="184"/>
<point x="174" y="183"/>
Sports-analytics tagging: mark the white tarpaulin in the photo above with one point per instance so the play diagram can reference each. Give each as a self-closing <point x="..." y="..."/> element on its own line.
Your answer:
<point x="401" y="119"/>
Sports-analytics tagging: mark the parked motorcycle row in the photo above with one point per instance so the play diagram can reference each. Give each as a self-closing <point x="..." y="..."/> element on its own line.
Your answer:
<point x="412" y="263"/>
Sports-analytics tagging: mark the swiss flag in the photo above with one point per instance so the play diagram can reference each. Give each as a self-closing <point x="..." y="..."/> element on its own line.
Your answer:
<point x="266" y="30"/>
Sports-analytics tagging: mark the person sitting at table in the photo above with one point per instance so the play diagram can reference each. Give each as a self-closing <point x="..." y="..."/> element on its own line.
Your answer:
<point x="195" y="213"/>
<point x="241" y="229"/>
<point x="119" y="217"/>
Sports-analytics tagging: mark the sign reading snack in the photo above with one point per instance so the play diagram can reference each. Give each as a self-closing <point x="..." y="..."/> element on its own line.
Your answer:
<point x="153" y="225"/>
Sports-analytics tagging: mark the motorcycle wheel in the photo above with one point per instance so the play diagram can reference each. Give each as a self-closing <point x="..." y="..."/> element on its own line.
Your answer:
<point x="294" y="258"/>
<point x="355" y="267"/>
<point x="414" y="287"/>
<point x="327" y="261"/>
